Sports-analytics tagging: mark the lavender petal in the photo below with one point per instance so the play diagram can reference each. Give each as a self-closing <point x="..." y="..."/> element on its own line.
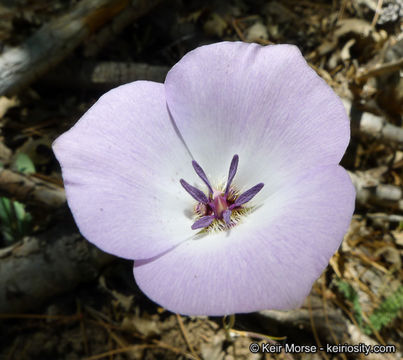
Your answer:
<point x="115" y="134"/>
<point x="247" y="195"/>
<point x="204" y="98"/>
<point x="202" y="175"/>
<point x="232" y="171"/>
<point x="194" y="192"/>
<point x="293" y="236"/>
<point x="203" y="222"/>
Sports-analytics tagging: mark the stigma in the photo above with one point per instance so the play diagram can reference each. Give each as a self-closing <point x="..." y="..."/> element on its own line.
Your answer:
<point x="220" y="206"/>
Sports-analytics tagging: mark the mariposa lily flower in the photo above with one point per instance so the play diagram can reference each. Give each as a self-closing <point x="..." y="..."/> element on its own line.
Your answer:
<point x="222" y="184"/>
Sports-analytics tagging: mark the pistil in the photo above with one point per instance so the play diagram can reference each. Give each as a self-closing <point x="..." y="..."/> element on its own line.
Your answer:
<point x="220" y="203"/>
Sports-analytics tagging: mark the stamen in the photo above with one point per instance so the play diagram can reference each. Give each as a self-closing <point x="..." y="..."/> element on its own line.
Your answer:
<point x="202" y="175"/>
<point x="201" y="209"/>
<point x="232" y="171"/>
<point x="218" y="207"/>
<point x="203" y="222"/>
<point x="247" y="195"/>
<point x="194" y="192"/>
<point x="226" y="216"/>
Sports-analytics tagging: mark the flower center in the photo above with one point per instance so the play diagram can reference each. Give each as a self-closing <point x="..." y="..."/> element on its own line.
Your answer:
<point x="220" y="205"/>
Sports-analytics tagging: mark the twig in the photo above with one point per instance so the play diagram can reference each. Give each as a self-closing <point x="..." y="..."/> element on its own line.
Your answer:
<point x="371" y="192"/>
<point x="228" y="323"/>
<point x="31" y="190"/>
<point x="266" y="338"/>
<point x="368" y="261"/>
<point x="373" y="125"/>
<point x="313" y="327"/>
<point x="357" y="337"/>
<point x="385" y="217"/>
<point x="103" y="75"/>
<point x="237" y="29"/>
<point x="299" y="319"/>
<point x="376" y="333"/>
<point x="83" y="328"/>
<point x="329" y="327"/>
<point x="113" y="336"/>
<point x="121" y="351"/>
<point x="347" y="312"/>
<point x="21" y="65"/>
<point x="333" y="262"/>
<point x="102" y="318"/>
<point x="341" y="11"/>
<point x="10" y="354"/>
<point x="109" y="324"/>
<point x="381" y="69"/>
<point x="185" y="337"/>
<point x="74" y="317"/>
<point x="5" y="154"/>
<point x="377" y="13"/>
<point x="110" y="31"/>
<point x="137" y="347"/>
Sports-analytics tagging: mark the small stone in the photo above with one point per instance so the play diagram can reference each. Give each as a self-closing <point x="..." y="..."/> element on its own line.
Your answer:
<point x="257" y="32"/>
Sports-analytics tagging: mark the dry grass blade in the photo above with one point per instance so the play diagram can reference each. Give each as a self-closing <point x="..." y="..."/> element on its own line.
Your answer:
<point x="313" y="327"/>
<point x="377" y="13"/>
<point x="186" y="337"/>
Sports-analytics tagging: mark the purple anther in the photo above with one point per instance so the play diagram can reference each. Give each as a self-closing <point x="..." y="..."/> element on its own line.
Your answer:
<point x="194" y="192"/>
<point x="226" y="215"/>
<point x="202" y="175"/>
<point x="203" y="222"/>
<point x="247" y="196"/>
<point x="232" y="171"/>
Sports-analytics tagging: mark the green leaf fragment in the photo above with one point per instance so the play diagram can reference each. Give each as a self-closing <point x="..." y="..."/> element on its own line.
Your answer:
<point x="24" y="164"/>
<point x="386" y="312"/>
<point x="15" y="222"/>
<point x="382" y="316"/>
<point x="350" y="294"/>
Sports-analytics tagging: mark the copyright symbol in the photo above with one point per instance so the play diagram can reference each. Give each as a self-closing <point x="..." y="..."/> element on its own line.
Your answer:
<point x="254" y="348"/>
